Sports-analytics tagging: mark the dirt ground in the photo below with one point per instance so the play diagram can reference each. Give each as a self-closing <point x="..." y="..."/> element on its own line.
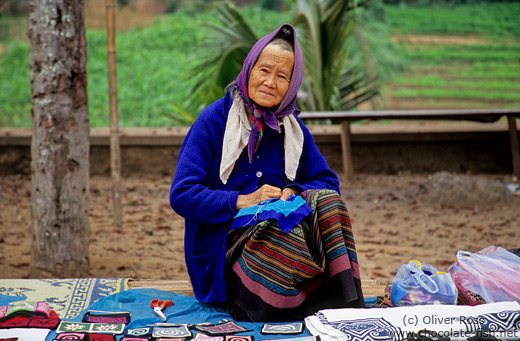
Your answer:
<point x="395" y="218"/>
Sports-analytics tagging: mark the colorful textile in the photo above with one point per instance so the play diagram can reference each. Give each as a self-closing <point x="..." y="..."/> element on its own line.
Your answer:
<point x="26" y="308"/>
<point x="239" y="338"/>
<point x="101" y="337"/>
<point x="34" y="322"/>
<point x="500" y="320"/>
<point x="286" y="328"/>
<point x="102" y="328"/>
<point x="203" y="337"/>
<point x="302" y="338"/>
<point x="27" y="314"/>
<point x="106" y="317"/>
<point x="67" y="297"/>
<point x="143" y="331"/>
<point x="71" y="336"/>
<point x="467" y="297"/>
<point x="276" y="276"/>
<point x="180" y="331"/>
<point x="186" y="310"/>
<point x="287" y="107"/>
<point x="225" y="328"/>
<point x="287" y="213"/>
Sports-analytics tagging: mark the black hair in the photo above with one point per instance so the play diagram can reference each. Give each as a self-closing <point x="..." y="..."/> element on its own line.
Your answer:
<point x="284" y="39"/>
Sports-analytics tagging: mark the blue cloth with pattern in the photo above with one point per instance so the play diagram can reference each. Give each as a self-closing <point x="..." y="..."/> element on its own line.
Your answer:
<point x="287" y="213"/>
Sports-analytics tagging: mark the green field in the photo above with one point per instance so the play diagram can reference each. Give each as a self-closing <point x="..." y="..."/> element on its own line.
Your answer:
<point x="480" y="69"/>
<point x="461" y="57"/>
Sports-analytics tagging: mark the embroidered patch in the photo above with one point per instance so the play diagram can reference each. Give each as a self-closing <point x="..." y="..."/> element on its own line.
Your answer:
<point x="71" y="336"/>
<point x="31" y="323"/>
<point x="101" y="337"/>
<point x="126" y="338"/>
<point x="106" y="317"/>
<point x="301" y="338"/>
<point x="104" y="328"/>
<point x="203" y="337"/>
<point x="171" y="339"/>
<point x="287" y="328"/>
<point x="30" y="308"/>
<point x="181" y="331"/>
<point x="239" y="338"/>
<point x="139" y="331"/>
<point x="225" y="328"/>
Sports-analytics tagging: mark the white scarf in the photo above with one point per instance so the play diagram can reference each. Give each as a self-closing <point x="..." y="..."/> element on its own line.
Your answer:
<point x="236" y="137"/>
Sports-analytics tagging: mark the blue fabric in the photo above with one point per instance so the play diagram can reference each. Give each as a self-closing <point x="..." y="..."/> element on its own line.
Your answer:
<point x="287" y="213"/>
<point x="185" y="310"/>
<point x="208" y="206"/>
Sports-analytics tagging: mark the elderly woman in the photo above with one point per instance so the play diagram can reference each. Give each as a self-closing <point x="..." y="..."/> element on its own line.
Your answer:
<point x="246" y="148"/>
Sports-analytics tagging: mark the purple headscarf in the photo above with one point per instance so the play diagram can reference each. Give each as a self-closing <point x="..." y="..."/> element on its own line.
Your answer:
<point x="288" y="104"/>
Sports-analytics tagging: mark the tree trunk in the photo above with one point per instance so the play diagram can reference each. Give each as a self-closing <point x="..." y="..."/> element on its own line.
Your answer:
<point x="60" y="139"/>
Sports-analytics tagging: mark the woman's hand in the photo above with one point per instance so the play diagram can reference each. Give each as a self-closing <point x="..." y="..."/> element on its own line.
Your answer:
<point x="263" y="193"/>
<point x="286" y="193"/>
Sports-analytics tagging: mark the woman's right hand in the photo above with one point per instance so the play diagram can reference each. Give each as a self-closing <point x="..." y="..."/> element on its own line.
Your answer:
<point x="263" y="193"/>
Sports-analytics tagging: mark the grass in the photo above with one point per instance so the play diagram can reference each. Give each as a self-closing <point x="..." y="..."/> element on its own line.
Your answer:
<point x="486" y="19"/>
<point x="451" y="92"/>
<point x="439" y="54"/>
<point x="152" y="63"/>
<point x="484" y="72"/>
<point x="464" y="83"/>
<point x="151" y="66"/>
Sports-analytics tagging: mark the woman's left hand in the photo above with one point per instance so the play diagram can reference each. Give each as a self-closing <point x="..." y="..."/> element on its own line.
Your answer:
<point x="286" y="193"/>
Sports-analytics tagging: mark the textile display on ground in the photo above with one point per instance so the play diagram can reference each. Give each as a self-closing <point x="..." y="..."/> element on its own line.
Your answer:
<point x="500" y="320"/>
<point x="185" y="310"/>
<point x="67" y="297"/>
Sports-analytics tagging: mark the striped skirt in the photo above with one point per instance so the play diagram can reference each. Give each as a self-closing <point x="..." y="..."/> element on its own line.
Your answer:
<point x="277" y="276"/>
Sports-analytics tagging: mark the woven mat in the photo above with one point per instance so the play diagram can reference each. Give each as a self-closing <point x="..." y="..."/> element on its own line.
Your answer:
<point x="68" y="297"/>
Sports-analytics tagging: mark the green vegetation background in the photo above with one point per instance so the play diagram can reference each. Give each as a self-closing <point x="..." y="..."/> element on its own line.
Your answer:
<point x="152" y="62"/>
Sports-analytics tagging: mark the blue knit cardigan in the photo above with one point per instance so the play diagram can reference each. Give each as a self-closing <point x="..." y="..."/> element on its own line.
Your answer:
<point x="208" y="206"/>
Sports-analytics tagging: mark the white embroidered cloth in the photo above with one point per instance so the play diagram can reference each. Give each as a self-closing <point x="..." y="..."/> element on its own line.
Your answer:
<point x="236" y="137"/>
<point x="501" y="320"/>
<point x="25" y="334"/>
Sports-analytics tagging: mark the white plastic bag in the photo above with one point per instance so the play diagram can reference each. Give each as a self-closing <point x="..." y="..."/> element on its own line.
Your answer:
<point x="493" y="273"/>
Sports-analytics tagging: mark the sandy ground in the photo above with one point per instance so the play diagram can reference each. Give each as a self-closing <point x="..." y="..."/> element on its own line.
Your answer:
<point x="395" y="218"/>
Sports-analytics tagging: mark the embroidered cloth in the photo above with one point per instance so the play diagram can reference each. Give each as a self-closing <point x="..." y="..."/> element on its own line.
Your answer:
<point x="67" y="297"/>
<point x="500" y="320"/>
<point x="26" y="308"/>
<point x="23" y="334"/>
<point x="287" y="213"/>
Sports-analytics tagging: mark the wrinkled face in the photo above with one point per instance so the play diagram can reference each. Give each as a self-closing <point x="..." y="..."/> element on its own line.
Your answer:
<point x="271" y="75"/>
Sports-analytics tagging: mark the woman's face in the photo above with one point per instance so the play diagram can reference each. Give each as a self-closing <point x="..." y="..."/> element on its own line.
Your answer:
<point x="271" y="75"/>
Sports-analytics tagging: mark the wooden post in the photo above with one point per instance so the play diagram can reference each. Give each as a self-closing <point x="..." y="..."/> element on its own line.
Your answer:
<point x="346" y="150"/>
<point x="115" y="152"/>
<point x="515" y="149"/>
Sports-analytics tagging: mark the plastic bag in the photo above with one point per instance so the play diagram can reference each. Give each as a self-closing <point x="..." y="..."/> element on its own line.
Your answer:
<point x="416" y="283"/>
<point x="493" y="273"/>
